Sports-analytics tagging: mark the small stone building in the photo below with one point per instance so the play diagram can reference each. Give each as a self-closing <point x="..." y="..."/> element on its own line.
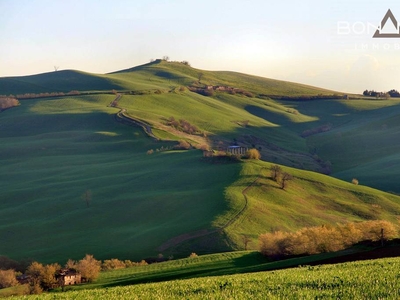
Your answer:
<point x="69" y="277"/>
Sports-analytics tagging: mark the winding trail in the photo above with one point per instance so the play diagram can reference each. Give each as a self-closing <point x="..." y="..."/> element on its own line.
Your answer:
<point x="205" y="232"/>
<point x="123" y="117"/>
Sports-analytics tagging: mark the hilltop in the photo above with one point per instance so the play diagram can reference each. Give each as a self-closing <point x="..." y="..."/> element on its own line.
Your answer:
<point x="159" y="74"/>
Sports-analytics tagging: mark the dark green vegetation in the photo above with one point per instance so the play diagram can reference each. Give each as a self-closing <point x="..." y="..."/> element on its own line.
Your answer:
<point x="54" y="150"/>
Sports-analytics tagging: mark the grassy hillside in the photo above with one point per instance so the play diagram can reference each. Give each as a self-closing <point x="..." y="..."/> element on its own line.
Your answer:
<point x="60" y="81"/>
<point x="310" y="199"/>
<point x="363" y="142"/>
<point x="52" y="151"/>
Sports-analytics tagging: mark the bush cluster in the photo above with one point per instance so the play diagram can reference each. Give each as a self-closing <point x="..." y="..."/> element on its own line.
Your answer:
<point x="183" y="125"/>
<point x="183" y="145"/>
<point x="313" y="240"/>
<point x="253" y="154"/>
<point x="316" y="130"/>
<point x="114" y="264"/>
<point x="8" y="102"/>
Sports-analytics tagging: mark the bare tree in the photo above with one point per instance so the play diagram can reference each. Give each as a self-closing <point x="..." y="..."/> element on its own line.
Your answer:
<point x="246" y="241"/>
<point x="166" y="58"/>
<point x="56" y="68"/>
<point x="285" y="178"/>
<point x="200" y="76"/>
<point x="275" y="172"/>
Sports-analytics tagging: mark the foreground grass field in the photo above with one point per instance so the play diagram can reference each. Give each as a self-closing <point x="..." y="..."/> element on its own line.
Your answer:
<point x="373" y="279"/>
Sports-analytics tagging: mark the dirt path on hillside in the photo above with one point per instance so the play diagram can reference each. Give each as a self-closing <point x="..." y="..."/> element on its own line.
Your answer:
<point x="124" y="118"/>
<point x="205" y="232"/>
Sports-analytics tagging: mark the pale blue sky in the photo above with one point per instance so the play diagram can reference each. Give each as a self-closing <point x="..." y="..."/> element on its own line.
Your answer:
<point x="290" y="40"/>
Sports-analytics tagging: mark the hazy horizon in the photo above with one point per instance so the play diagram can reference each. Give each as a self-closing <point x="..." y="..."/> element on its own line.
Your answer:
<point x="328" y="44"/>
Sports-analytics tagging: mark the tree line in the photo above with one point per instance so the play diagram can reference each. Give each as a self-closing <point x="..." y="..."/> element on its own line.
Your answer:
<point x="40" y="277"/>
<point x="320" y="239"/>
<point x="391" y="94"/>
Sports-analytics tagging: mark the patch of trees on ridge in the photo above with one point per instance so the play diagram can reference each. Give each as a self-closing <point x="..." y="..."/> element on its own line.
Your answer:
<point x="391" y="94"/>
<point x="182" y="125"/>
<point x="210" y="90"/>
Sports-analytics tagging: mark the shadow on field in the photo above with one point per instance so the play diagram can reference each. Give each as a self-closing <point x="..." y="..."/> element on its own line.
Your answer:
<point x="238" y="265"/>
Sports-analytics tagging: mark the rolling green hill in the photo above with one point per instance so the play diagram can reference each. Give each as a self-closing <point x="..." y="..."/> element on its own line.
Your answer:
<point x="53" y="150"/>
<point x="156" y="75"/>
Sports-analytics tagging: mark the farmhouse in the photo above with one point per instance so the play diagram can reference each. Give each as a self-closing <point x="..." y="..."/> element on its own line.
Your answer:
<point x="68" y="277"/>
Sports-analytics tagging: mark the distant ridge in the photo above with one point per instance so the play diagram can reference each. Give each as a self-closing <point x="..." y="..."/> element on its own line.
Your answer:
<point x="158" y="74"/>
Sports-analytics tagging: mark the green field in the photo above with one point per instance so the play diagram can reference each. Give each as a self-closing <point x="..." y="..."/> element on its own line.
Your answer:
<point x="76" y="145"/>
<point x="53" y="150"/>
<point x="376" y="279"/>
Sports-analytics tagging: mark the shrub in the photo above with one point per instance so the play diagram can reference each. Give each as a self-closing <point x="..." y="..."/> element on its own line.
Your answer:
<point x="253" y="154"/>
<point x="354" y="181"/>
<point x="183" y="145"/>
<point x="377" y="230"/>
<point x="8" y="278"/>
<point x="183" y="125"/>
<point x="193" y="255"/>
<point x="89" y="267"/>
<point x="42" y="277"/>
<point x="71" y="264"/>
<point x="113" y="264"/>
<point x="8" y="102"/>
